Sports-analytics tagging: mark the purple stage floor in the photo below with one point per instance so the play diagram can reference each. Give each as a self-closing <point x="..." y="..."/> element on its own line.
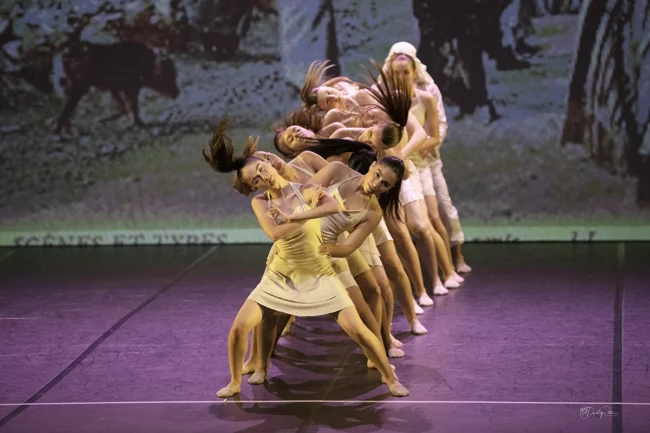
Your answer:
<point x="133" y="339"/>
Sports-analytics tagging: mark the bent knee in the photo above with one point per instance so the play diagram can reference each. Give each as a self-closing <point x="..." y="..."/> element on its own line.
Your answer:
<point x="371" y="291"/>
<point x="239" y="327"/>
<point x="420" y="229"/>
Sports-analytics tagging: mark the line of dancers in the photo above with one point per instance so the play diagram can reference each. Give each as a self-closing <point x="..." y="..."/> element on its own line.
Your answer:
<point x="362" y="194"/>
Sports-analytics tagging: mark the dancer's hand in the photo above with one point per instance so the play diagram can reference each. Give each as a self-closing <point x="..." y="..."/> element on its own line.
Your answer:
<point x="278" y="216"/>
<point x="313" y="195"/>
<point x="324" y="250"/>
<point x="430" y="146"/>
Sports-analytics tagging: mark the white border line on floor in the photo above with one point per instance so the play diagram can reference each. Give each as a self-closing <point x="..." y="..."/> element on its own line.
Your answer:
<point x="395" y="401"/>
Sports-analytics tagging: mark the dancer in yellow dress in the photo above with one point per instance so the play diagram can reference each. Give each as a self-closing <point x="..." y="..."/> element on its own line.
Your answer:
<point x="299" y="281"/>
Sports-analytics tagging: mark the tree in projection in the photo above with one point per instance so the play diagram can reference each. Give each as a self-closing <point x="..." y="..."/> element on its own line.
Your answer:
<point x="453" y="38"/>
<point x="608" y="107"/>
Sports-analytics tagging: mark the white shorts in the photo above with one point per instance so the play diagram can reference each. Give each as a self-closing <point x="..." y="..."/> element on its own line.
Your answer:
<point x="342" y="270"/>
<point x="411" y="188"/>
<point x="370" y="252"/>
<point x="381" y="233"/>
<point x="426" y="179"/>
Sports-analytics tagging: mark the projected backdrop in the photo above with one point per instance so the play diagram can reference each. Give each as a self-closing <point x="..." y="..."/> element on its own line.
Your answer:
<point x="548" y="105"/>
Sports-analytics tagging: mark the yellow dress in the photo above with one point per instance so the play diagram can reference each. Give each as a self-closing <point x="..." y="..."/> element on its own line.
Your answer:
<point x="299" y="281"/>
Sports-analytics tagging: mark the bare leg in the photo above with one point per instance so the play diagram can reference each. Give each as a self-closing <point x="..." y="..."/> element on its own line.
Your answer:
<point x="443" y="248"/>
<point x="351" y="323"/>
<point x="267" y="339"/>
<point x="389" y="304"/>
<point x="287" y="327"/>
<point x="372" y="294"/>
<point x="401" y="285"/>
<point x="257" y="362"/>
<point x="250" y="314"/>
<point x="444" y="255"/>
<point x="253" y="362"/>
<point x="459" y="259"/>
<point x="409" y="254"/>
<point x="436" y="222"/>
<point x="449" y="215"/>
<point x="386" y="292"/>
<point x="418" y="223"/>
<point x="363" y="310"/>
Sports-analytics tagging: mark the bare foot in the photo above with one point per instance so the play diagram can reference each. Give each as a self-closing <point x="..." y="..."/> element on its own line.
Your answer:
<point x="418" y="309"/>
<point x="463" y="268"/>
<point x="418" y="328"/>
<point x="258" y="378"/>
<point x="395" y="341"/>
<point x="229" y="390"/>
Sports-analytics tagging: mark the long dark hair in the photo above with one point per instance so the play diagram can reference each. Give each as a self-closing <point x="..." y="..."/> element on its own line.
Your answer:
<point x="389" y="201"/>
<point x="393" y="96"/>
<point x="219" y="153"/>
<point x="326" y="147"/>
<point x="307" y="118"/>
<point x="361" y="160"/>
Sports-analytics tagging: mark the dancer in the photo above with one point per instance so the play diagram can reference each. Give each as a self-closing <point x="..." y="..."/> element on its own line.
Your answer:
<point x="385" y="264"/>
<point x="448" y="212"/>
<point x="359" y="281"/>
<point x="299" y="281"/>
<point x="367" y="294"/>
<point x="409" y="136"/>
<point x="424" y="109"/>
<point x="392" y="117"/>
<point x="303" y="122"/>
<point x="362" y="213"/>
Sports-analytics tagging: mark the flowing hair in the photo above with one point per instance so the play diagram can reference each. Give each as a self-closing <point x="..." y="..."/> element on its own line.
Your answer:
<point x="361" y="160"/>
<point x="219" y="153"/>
<point x="313" y="79"/>
<point x="393" y="96"/>
<point x="326" y="147"/>
<point x="307" y="118"/>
